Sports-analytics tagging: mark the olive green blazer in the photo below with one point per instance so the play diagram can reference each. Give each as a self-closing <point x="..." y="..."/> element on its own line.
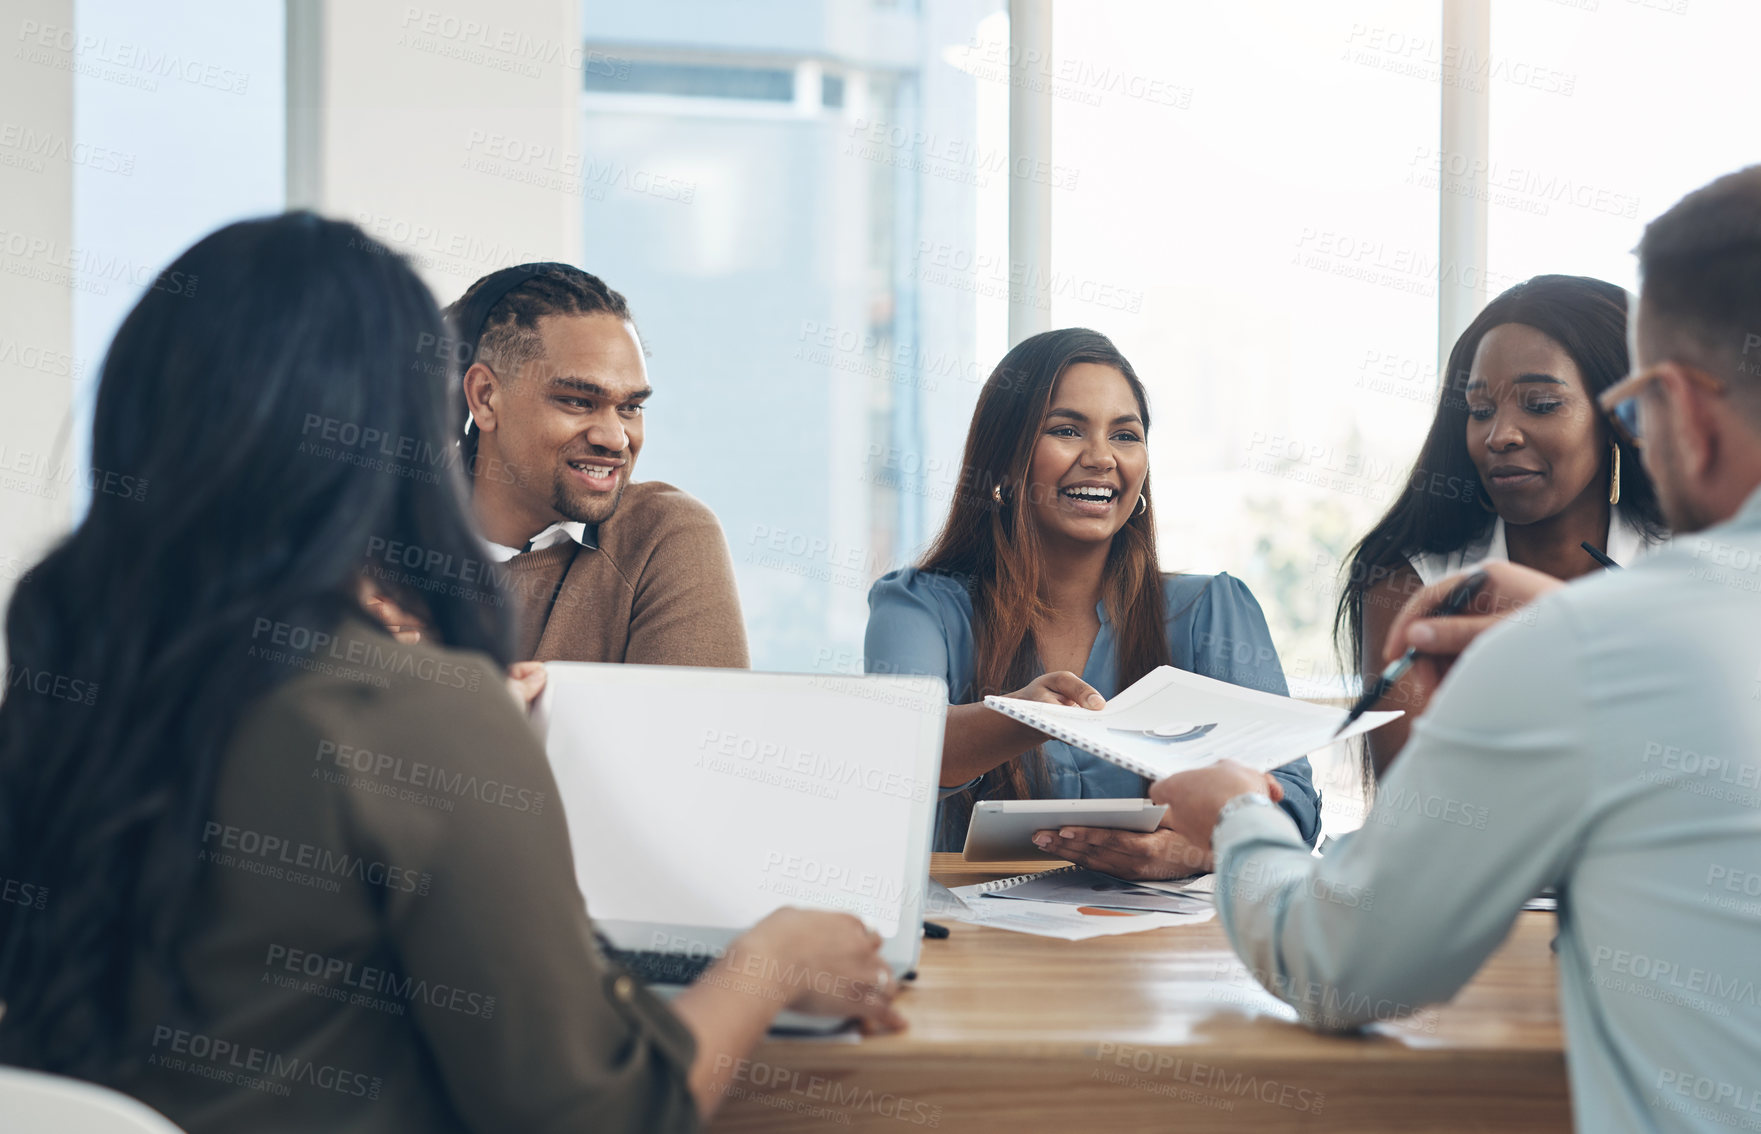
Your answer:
<point x="387" y="935"/>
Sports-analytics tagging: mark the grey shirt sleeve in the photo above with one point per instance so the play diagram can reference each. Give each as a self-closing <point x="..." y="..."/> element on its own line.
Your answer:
<point x="1482" y="809"/>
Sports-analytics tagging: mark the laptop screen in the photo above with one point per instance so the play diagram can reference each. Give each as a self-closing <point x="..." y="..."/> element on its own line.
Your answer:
<point x="711" y="797"/>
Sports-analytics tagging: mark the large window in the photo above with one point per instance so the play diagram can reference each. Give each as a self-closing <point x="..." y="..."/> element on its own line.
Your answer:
<point x="179" y="127"/>
<point x="1246" y="197"/>
<point x="807" y="204"/>
<point x="1656" y="97"/>
<point x="781" y="195"/>
<point x="1250" y="213"/>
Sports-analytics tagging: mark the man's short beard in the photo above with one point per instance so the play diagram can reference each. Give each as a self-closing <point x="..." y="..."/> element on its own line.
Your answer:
<point x="590" y="511"/>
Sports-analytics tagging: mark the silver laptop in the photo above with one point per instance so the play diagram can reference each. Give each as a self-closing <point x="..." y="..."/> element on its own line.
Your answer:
<point x="701" y="800"/>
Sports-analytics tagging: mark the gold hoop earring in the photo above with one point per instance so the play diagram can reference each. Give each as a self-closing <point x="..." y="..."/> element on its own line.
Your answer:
<point x="997" y="494"/>
<point x="1142" y="504"/>
<point x="1485" y="501"/>
<point x="1614" y="477"/>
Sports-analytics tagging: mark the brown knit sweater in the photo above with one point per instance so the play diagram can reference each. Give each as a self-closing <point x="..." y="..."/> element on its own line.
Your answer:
<point x="658" y="590"/>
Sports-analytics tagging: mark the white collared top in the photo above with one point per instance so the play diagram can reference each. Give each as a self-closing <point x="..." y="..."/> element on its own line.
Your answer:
<point x="1626" y="542"/>
<point x="549" y="537"/>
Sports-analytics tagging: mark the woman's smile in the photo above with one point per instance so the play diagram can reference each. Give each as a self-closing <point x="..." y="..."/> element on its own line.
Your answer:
<point x="1088" y="464"/>
<point x="1090" y="498"/>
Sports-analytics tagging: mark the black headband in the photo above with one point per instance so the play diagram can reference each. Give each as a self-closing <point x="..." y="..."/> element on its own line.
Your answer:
<point x="470" y="315"/>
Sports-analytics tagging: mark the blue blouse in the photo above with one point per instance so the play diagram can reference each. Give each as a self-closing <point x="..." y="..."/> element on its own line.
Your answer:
<point x="921" y="623"/>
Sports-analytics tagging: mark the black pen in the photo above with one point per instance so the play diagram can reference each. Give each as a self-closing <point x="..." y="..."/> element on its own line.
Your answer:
<point x="1597" y="554"/>
<point x="932" y="930"/>
<point x="1452" y="605"/>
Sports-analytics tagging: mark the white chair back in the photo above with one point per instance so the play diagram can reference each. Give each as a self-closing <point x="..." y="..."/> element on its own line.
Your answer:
<point x="34" y="1103"/>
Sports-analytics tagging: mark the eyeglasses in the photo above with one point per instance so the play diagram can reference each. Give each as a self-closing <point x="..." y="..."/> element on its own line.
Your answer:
<point x="1620" y="402"/>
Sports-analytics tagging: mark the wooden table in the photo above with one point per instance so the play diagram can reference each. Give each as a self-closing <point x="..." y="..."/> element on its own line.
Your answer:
<point x="1163" y="1030"/>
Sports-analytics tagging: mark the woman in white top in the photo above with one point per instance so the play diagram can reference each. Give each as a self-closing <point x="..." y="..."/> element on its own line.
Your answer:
<point x="1520" y="465"/>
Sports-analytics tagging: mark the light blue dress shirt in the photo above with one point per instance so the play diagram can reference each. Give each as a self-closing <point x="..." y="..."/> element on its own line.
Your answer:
<point x="921" y="623"/>
<point x="1606" y="741"/>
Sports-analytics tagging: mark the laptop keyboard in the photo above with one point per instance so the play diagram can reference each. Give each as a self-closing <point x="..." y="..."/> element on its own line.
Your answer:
<point x="661" y="968"/>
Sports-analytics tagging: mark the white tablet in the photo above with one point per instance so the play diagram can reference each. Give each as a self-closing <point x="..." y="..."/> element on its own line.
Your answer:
<point x="1002" y="830"/>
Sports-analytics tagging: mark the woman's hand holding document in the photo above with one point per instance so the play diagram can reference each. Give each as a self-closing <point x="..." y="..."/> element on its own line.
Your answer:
<point x="1435" y="626"/>
<point x="1173" y="721"/>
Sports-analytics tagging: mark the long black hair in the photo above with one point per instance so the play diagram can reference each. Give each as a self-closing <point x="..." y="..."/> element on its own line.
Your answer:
<point x="1441" y="510"/>
<point x="257" y="426"/>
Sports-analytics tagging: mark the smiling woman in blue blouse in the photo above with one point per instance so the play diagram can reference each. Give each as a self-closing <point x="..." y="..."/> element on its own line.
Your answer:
<point x="1046" y="570"/>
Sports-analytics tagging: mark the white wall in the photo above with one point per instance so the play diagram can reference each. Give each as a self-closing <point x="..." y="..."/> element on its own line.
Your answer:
<point x="451" y="132"/>
<point x="131" y="130"/>
<point x="37" y="363"/>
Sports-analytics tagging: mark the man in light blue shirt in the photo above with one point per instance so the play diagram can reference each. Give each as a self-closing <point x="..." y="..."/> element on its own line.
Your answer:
<point x="1604" y="740"/>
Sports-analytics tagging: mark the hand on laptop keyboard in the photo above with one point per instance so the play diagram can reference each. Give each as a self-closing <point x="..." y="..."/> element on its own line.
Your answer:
<point x="823" y="963"/>
<point x="813" y="962"/>
<point x="661" y="968"/>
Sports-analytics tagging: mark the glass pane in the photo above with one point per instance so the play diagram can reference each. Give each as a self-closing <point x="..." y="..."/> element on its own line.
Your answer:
<point x="1251" y="229"/>
<point x="813" y="375"/>
<point x="1652" y="98"/>
<point x="180" y="126"/>
<point x="770" y="84"/>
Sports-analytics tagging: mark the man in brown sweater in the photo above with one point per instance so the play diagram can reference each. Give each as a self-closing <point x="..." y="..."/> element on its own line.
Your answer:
<point x="604" y="569"/>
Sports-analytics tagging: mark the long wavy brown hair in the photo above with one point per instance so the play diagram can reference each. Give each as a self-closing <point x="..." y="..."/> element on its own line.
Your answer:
<point x="992" y="544"/>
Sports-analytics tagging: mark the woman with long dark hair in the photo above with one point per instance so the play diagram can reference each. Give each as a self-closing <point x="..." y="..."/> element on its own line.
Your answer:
<point x="1519" y="465"/>
<point x="1046" y="570"/>
<point x="286" y="872"/>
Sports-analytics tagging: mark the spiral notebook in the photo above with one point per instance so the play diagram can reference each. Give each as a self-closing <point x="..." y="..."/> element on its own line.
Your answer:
<point x="1077" y="886"/>
<point x="1173" y="721"/>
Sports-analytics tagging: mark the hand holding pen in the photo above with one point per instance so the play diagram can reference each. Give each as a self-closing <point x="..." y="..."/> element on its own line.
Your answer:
<point x="1454" y="602"/>
<point x="1508" y="588"/>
